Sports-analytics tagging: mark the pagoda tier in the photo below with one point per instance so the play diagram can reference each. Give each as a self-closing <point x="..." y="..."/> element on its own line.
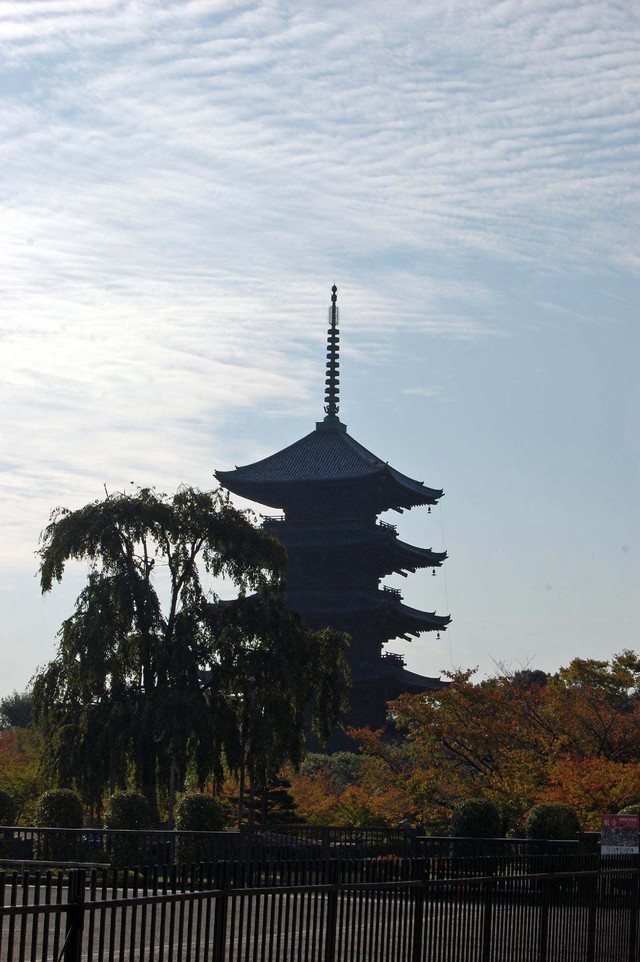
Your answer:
<point x="379" y="615"/>
<point x="331" y="490"/>
<point x="375" y="548"/>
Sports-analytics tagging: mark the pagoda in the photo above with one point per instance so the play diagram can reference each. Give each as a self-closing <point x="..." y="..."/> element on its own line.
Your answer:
<point x="331" y="490"/>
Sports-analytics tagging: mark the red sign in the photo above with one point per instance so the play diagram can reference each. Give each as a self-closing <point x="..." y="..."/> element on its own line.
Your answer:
<point x="630" y="822"/>
<point x="619" y="834"/>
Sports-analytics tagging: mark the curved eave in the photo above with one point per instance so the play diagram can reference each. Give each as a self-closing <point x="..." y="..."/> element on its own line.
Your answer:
<point x="342" y="606"/>
<point x="384" y="486"/>
<point x="372" y="673"/>
<point x="411" y="558"/>
<point x="354" y="538"/>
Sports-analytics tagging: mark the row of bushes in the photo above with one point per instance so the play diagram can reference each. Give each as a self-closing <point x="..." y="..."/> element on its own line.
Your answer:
<point x="479" y="818"/>
<point x="61" y="808"/>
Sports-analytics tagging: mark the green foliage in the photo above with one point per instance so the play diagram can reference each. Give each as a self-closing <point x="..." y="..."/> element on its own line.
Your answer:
<point x="271" y="674"/>
<point x="199" y="813"/>
<point x="20" y="770"/>
<point x="552" y="820"/>
<point x="340" y="768"/>
<point x="7" y="809"/>
<point x="7" y="817"/>
<point x="59" y="808"/>
<point x="475" y="818"/>
<point x="630" y="809"/>
<point x="163" y="690"/>
<point x="126" y="811"/>
<point x="196" y="813"/>
<point x="16" y="710"/>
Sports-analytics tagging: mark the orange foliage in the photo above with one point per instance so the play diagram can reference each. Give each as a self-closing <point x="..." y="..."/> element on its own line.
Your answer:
<point x="20" y="776"/>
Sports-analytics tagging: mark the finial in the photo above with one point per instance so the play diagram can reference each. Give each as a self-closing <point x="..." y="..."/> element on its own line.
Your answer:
<point x="332" y="380"/>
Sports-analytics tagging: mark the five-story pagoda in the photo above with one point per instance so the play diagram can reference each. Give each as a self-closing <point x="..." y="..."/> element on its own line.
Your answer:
<point x="331" y="490"/>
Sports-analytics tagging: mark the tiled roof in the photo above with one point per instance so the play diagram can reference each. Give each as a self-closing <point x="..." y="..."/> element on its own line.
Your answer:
<point x="322" y="455"/>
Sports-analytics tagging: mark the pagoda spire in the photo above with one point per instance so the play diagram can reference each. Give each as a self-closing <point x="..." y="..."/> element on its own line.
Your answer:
<point x="332" y="381"/>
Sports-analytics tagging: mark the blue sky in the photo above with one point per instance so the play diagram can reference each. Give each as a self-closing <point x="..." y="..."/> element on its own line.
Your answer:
<point x="183" y="182"/>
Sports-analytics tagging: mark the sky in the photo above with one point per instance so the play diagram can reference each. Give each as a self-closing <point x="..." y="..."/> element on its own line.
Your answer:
<point x="182" y="183"/>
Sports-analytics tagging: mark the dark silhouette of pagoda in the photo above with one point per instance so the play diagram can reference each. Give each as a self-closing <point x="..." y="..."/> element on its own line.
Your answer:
<point x="331" y="490"/>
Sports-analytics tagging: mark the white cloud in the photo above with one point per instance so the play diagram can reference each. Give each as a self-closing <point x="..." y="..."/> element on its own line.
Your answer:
<point x="184" y="181"/>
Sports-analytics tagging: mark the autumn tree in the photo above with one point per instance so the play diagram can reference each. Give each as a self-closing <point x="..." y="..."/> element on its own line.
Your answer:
<point x="517" y="739"/>
<point x="144" y="677"/>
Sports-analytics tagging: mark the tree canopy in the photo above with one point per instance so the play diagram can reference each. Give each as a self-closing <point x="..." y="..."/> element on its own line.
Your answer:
<point x="152" y="672"/>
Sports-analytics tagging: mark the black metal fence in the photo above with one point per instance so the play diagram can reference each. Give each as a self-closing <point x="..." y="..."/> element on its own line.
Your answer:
<point x="575" y="909"/>
<point x="134" y="847"/>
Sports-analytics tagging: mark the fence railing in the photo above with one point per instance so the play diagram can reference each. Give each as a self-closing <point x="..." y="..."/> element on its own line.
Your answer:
<point x="582" y="909"/>
<point x="160" y="847"/>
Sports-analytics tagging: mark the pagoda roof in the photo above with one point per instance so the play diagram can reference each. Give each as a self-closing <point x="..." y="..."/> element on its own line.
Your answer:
<point x="328" y="454"/>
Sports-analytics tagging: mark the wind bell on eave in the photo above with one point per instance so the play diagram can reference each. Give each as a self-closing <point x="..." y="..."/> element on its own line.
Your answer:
<point x="332" y="381"/>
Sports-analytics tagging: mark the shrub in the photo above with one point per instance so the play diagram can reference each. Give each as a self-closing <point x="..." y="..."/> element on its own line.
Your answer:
<point x="7" y="817"/>
<point x="630" y="809"/>
<point x="196" y="813"/>
<point x="476" y="818"/>
<point x="552" y="820"/>
<point x="126" y="811"/>
<point x="59" y="808"/>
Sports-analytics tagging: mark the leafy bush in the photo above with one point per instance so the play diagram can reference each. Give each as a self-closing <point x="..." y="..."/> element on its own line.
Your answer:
<point x="196" y="813"/>
<point x="127" y="811"/>
<point x="630" y="809"/>
<point x="59" y="808"/>
<point x="475" y="818"/>
<point x="552" y="820"/>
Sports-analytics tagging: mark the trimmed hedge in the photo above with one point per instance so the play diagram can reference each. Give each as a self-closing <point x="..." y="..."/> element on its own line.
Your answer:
<point x="552" y="820"/>
<point x="476" y="818"/>
<point x="127" y="811"/>
<point x="59" y="808"/>
<point x="196" y="813"/>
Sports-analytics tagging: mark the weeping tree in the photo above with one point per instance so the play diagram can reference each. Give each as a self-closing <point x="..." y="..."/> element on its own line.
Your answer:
<point x="143" y="681"/>
<point x="276" y="679"/>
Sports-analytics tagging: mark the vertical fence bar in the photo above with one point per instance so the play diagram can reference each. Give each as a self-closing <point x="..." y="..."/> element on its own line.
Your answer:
<point x="591" y="886"/>
<point x="332" y="912"/>
<point x="489" y="887"/>
<point x="418" y="899"/>
<point x="543" y="933"/>
<point x="219" y="940"/>
<point x="75" y="916"/>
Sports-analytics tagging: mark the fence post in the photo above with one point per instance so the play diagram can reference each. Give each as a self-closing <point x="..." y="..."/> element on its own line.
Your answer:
<point x="419" y="893"/>
<point x="332" y="912"/>
<point x="487" y="917"/>
<point x="220" y="919"/>
<point x="75" y="916"/>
